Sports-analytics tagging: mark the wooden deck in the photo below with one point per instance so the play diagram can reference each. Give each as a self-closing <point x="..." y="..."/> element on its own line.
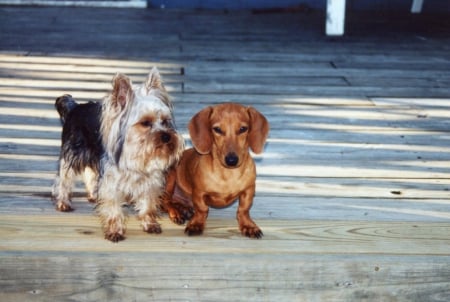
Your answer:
<point x="353" y="187"/>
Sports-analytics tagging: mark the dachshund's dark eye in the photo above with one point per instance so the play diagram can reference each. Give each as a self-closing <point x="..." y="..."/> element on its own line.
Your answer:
<point x="146" y="123"/>
<point x="243" y="129"/>
<point x="218" y="130"/>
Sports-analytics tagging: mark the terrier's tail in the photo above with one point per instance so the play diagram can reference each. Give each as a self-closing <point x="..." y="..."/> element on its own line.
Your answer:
<point x="64" y="104"/>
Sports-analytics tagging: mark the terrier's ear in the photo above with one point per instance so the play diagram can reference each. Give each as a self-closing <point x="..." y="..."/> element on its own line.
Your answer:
<point x="122" y="90"/>
<point x="154" y="85"/>
<point x="259" y="130"/>
<point x="154" y="80"/>
<point x="200" y="132"/>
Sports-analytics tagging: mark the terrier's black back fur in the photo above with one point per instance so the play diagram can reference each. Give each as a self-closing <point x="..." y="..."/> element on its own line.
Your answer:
<point x="81" y="139"/>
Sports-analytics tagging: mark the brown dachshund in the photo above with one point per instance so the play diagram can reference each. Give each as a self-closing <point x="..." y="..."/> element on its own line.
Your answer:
<point x="219" y="169"/>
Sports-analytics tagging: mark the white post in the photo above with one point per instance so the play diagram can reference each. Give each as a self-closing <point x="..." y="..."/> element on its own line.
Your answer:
<point x="335" y="17"/>
<point x="416" y="6"/>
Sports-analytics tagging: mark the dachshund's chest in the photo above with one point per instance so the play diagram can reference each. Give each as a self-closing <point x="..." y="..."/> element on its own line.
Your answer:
<point x="221" y="189"/>
<point x="218" y="200"/>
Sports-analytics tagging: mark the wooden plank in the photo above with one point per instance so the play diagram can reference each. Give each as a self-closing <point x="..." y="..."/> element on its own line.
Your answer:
<point x="391" y="81"/>
<point x="90" y="45"/>
<point x="318" y="133"/>
<point x="267" y="205"/>
<point x="400" y="65"/>
<point x="293" y="161"/>
<point x="81" y="62"/>
<point x="27" y="95"/>
<point x="12" y="64"/>
<point x="39" y="179"/>
<point x="394" y="188"/>
<point x="83" y="234"/>
<point x="304" y="167"/>
<point x="34" y="131"/>
<point x="70" y="84"/>
<point x="353" y="169"/>
<point x="311" y="65"/>
<point x="337" y="117"/>
<point x="442" y="103"/>
<point x="314" y="144"/>
<point x="78" y="77"/>
<point x="279" y="150"/>
<point x="21" y="96"/>
<point x="338" y="59"/>
<point x="348" y="50"/>
<point x="316" y="90"/>
<point x="261" y="84"/>
<point x="191" y="277"/>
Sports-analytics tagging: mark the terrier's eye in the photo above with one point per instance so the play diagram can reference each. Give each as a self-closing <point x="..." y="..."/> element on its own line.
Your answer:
<point x="167" y="123"/>
<point x="218" y="130"/>
<point x="147" y="124"/>
<point x="243" y="129"/>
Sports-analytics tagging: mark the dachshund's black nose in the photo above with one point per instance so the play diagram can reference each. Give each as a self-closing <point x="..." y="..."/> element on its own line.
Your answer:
<point x="231" y="159"/>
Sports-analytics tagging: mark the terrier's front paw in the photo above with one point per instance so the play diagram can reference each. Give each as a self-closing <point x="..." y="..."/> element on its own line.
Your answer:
<point x="64" y="206"/>
<point x="92" y="198"/>
<point x="153" y="228"/>
<point x="114" y="236"/>
<point x="114" y="229"/>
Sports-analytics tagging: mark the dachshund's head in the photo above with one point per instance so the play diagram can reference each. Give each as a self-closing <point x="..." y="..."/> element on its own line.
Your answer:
<point x="227" y="131"/>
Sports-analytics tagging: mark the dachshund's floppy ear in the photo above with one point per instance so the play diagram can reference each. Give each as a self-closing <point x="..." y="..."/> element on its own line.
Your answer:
<point x="200" y="132"/>
<point x="259" y="130"/>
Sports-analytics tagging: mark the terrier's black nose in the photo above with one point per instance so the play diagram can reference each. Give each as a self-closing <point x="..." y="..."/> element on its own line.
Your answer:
<point x="165" y="137"/>
<point x="231" y="159"/>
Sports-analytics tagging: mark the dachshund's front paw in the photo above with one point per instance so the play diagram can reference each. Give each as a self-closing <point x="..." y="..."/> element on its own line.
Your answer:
<point x="252" y="231"/>
<point x="194" y="229"/>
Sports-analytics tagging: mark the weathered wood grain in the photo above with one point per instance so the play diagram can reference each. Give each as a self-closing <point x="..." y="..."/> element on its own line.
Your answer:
<point x="172" y="266"/>
<point x="207" y="277"/>
<point x="268" y="206"/>
<point x="75" y="233"/>
<point x="373" y="186"/>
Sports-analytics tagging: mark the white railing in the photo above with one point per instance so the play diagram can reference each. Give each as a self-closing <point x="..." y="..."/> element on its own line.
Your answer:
<point x="335" y="18"/>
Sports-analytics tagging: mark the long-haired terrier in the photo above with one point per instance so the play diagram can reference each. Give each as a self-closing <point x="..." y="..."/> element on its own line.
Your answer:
<point x="123" y="147"/>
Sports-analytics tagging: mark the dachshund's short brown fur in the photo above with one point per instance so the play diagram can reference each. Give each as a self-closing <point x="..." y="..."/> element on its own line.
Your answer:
<point x="219" y="169"/>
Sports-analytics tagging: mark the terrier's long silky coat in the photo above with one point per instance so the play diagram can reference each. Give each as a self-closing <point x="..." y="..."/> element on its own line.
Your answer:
<point x="124" y="147"/>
